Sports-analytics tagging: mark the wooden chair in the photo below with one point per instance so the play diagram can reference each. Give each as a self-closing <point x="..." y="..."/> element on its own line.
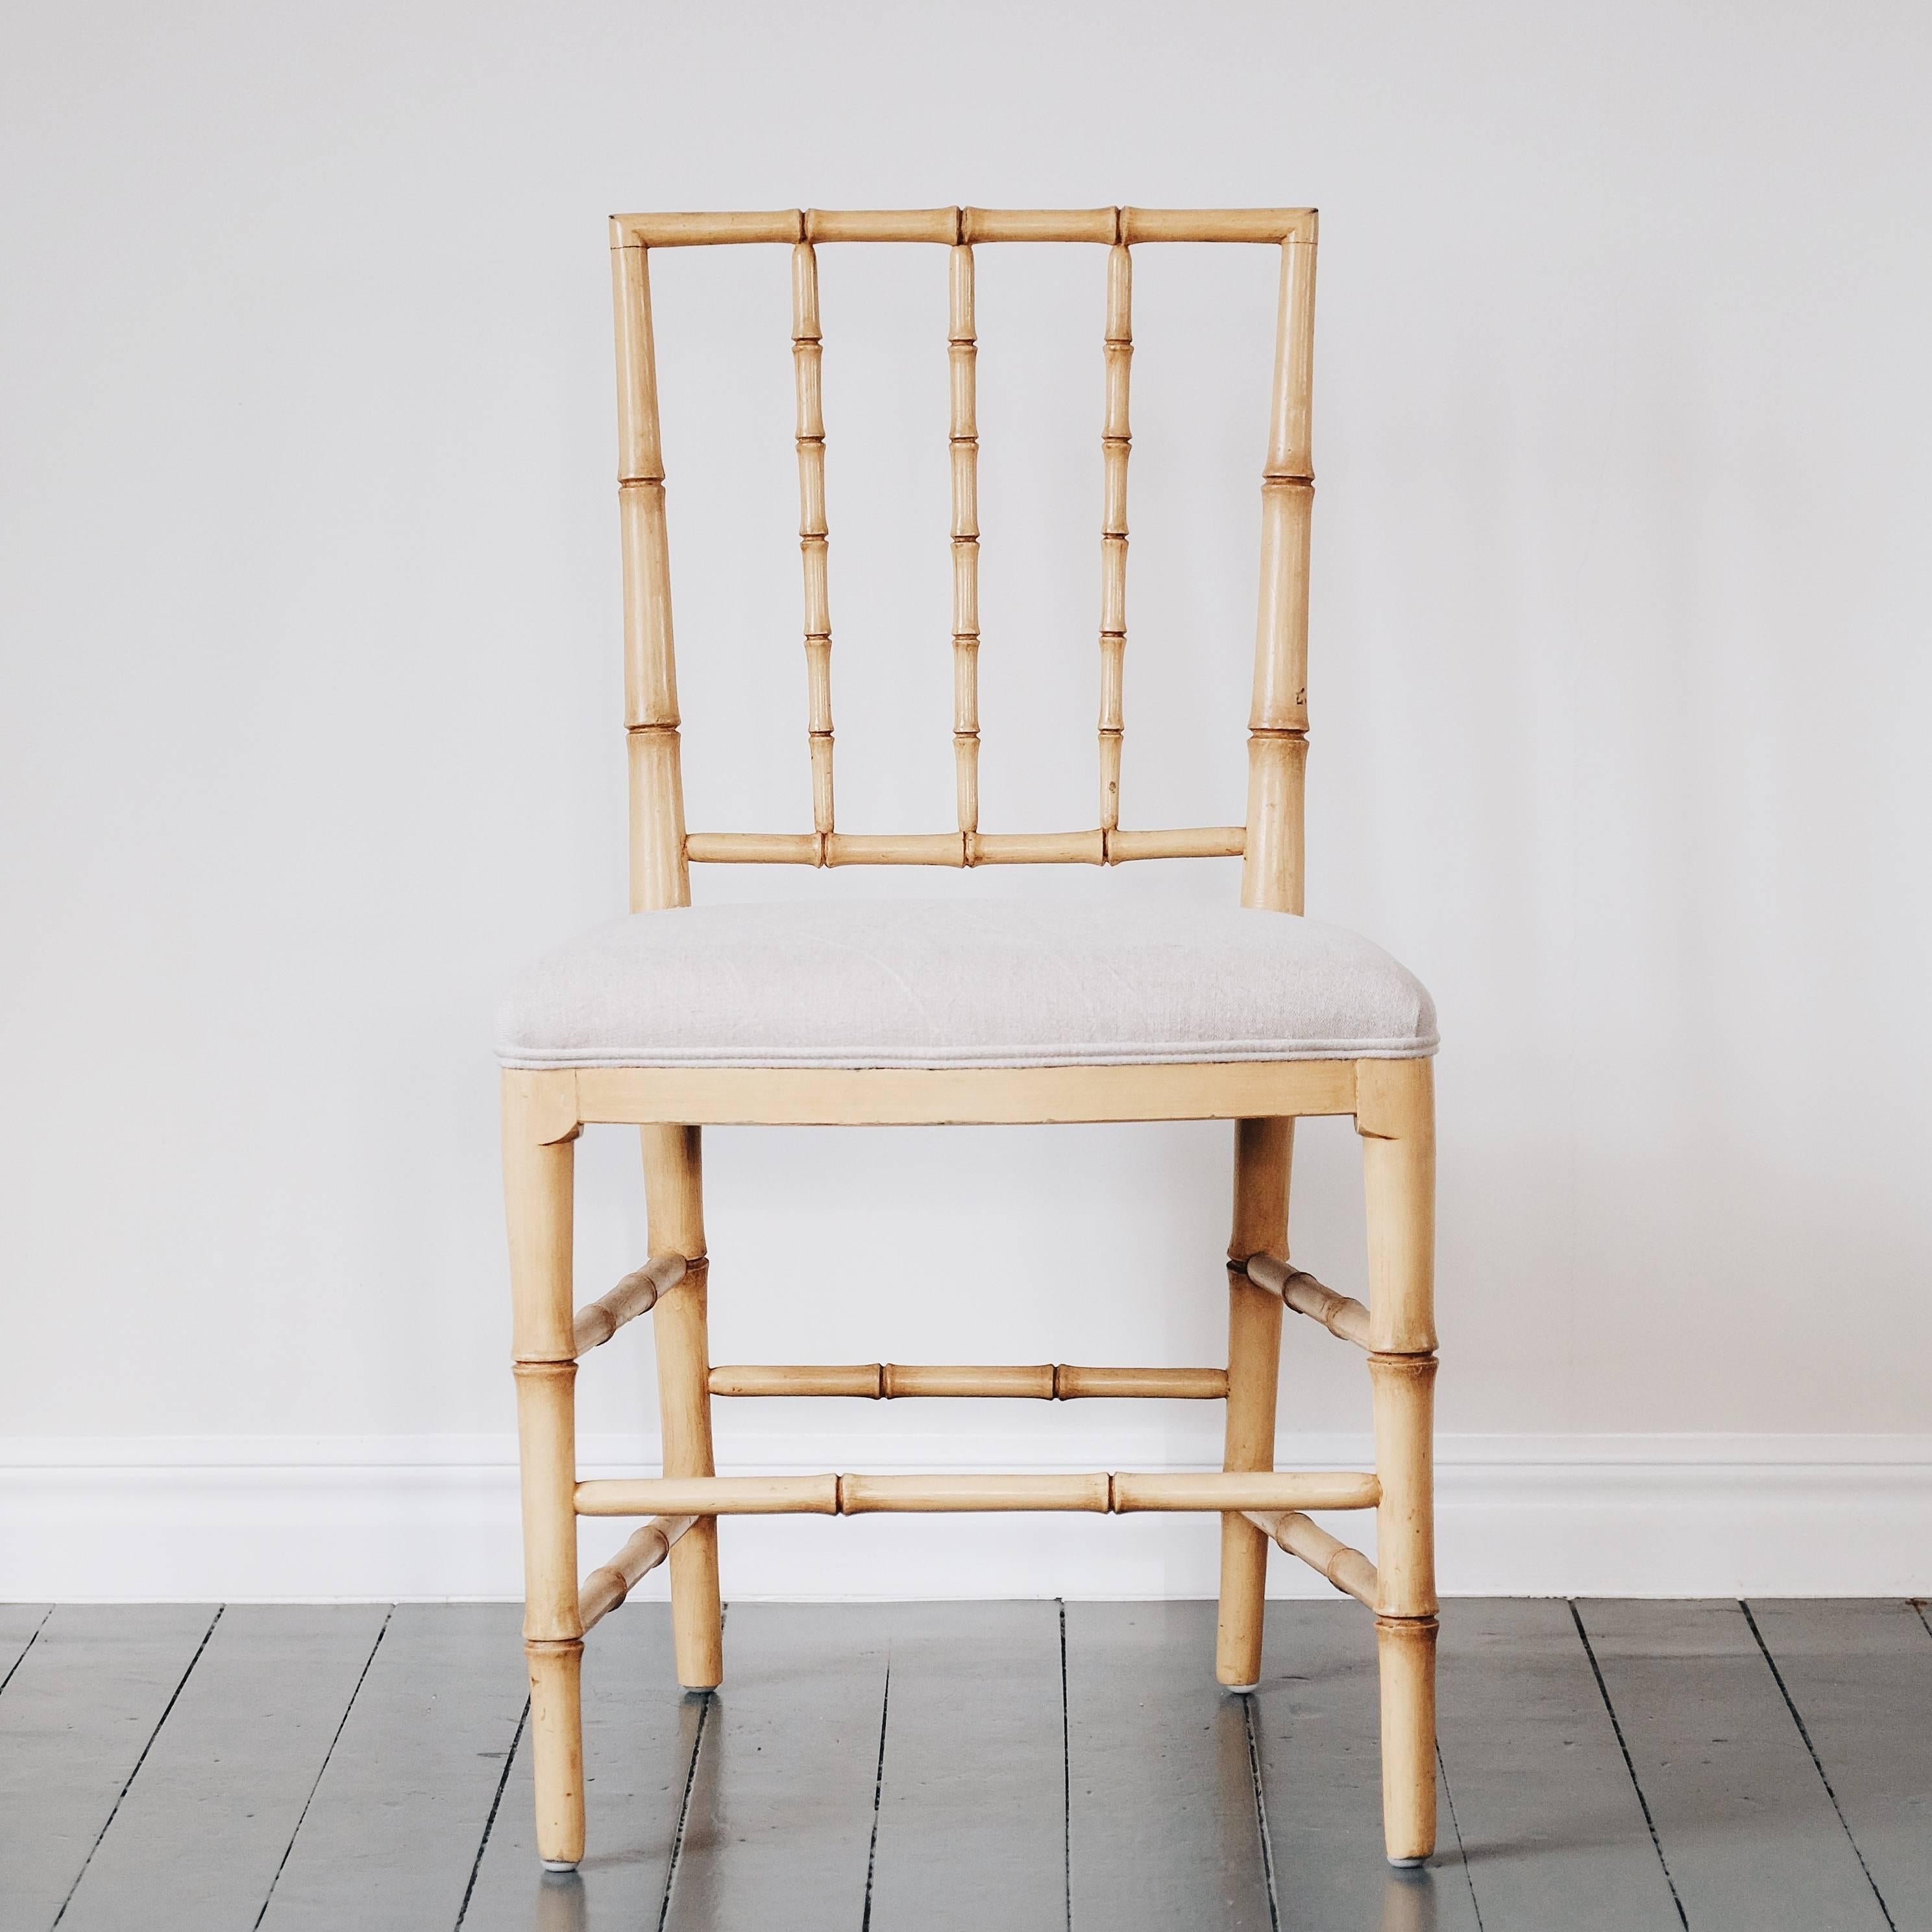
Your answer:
<point x="673" y="1019"/>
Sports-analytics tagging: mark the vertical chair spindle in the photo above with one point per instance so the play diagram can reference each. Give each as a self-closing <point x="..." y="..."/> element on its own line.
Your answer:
<point x="962" y="352"/>
<point x="1271" y="872"/>
<point x="1116" y="440"/>
<point x="806" y="354"/>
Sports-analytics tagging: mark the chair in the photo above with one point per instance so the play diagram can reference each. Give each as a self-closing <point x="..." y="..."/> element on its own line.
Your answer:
<point x="682" y="1016"/>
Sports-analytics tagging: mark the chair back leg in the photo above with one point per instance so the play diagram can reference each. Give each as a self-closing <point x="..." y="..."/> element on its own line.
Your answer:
<point x="1263" y="1153"/>
<point x="674" y="1188"/>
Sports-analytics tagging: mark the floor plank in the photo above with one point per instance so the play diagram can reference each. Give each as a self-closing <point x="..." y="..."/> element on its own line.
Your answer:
<point x="82" y="1707"/>
<point x="779" y="1828"/>
<point x="1551" y="1825"/>
<point x="1162" y="1823"/>
<point x="973" y="1803"/>
<point x="1859" y="1674"/>
<point x="1746" y="1829"/>
<point x="391" y="1835"/>
<point x="640" y="1731"/>
<point x="205" y="1823"/>
<point x="20" y="1624"/>
<point x="1318" y="1744"/>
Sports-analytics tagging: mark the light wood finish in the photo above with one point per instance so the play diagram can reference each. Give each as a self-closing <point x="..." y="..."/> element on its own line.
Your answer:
<point x="1405" y="1652"/>
<point x="1339" y="1314"/>
<point x="704" y="1496"/>
<point x="608" y="1585"/>
<point x="1071" y="1384"/>
<point x="674" y="1191"/>
<point x="1049" y="1382"/>
<point x="931" y="1096"/>
<point x="1302" y="1536"/>
<point x="1263" y="1158"/>
<point x="866" y="1496"/>
<point x="637" y="1294"/>
<point x="1238" y="1490"/>
<point x="1392" y="1102"/>
<point x="963" y="443"/>
<point x="1116" y="444"/>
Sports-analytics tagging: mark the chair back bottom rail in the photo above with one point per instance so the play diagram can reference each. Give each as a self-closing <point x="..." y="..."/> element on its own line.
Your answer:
<point x="1101" y="1493"/>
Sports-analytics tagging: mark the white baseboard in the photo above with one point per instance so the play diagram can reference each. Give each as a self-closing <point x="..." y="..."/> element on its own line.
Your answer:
<point x="296" y="1518"/>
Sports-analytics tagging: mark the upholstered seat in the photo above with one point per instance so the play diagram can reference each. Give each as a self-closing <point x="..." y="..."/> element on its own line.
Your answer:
<point x="946" y="983"/>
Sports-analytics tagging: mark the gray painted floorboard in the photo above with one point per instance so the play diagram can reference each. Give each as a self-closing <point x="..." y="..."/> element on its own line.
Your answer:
<point x="392" y="1833"/>
<point x="1551" y="1825"/>
<point x="1747" y="1831"/>
<point x="1859" y="1674"/>
<point x="779" y="1828"/>
<point x="1317" y="1744"/>
<point x="20" y="1624"/>
<point x="79" y="1711"/>
<point x="640" y="1731"/>
<point x="1161" y="1825"/>
<point x="973" y="1810"/>
<point x="205" y="1826"/>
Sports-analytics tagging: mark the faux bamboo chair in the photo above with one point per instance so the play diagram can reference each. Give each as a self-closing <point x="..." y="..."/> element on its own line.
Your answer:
<point x="679" y="1016"/>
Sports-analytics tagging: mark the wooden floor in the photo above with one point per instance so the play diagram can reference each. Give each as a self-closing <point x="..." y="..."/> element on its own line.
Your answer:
<point x="1029" y="1767"/>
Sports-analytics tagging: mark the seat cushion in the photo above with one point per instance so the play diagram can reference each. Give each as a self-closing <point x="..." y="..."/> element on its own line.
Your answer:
<point x="951" y="983"/>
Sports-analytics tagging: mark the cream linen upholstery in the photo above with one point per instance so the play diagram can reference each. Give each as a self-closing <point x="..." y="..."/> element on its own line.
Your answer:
<point x="946" y="983"/>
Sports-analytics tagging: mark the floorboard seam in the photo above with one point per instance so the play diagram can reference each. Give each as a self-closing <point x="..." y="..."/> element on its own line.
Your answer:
<point x="1462" y="1849"/>
<point x="878" y="1797"/>
<point x="1817" y="1763"/>
<point x="490" y="1823"/>
<point x="121" y="1796"/>
<point x="281" y="1865"/>
<point x="1616" y="1725"/>
<point x="1918" y="1604"/>
<point x="1066" y="1776"/>
<point x="684" y="1804"/>
<point x="33" y="1638"/>
<point x="1261" y="1812"/>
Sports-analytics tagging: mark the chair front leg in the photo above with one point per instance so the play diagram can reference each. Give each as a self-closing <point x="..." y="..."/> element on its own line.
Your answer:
<point x="1396" y="1118"/>
<point x="538" y="1182"/>
<point x="674" y="1188"/>
<point x="1264" y="1151"/>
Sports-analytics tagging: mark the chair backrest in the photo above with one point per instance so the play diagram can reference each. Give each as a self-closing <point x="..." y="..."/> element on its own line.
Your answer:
<point x="1270" y="842"/>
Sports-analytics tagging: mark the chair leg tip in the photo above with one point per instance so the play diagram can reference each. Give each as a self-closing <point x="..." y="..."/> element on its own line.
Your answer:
<point x="1241" y="1690"/>
<point x="559" y="1864"/>
<point x="1408" y="1864"/>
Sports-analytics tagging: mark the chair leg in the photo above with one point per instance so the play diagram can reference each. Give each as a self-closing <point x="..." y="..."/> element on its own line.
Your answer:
<point x="1396" y="1117"/>
<point x="674" y="1187"/>
<point x="1263" y="1152"/>
<point x="538" y="1191"/>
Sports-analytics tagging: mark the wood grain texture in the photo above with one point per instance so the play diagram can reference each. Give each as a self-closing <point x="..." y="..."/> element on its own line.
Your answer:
<point x="779" y="1828"/>
<point x="1548" y="1821"/>
<point x="1315" y="1718"/>
<point x="82" y="1705"/>
<point x="972" y="1812"/>
<point x="392" y="1832"/>
<point x="1746" y="1829"/>
<point x="1162" y="1827"/>
<point x="640" y="1735"/>
<point x="1858" y="1675"/>
<point x="213" y="1810"/>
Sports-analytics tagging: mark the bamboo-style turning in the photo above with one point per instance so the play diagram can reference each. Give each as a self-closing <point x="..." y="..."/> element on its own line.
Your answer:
<point x="1391" y="1102"/>
<point x="1050" y="1381"/>
<point x="636" y="1294"/>
<point x="607" y="1587"/>
<point x="1302" y="1536"/>
<point x="1116" y="442"/>
<point x="963" y="434"/>
<point x="807" y="354"/>
<point x="1120" y="1492"/>
<point x="1340" y="1315"/>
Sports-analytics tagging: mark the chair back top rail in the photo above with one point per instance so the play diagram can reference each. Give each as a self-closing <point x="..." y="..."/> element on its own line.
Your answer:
<point x="1270" y="842"/>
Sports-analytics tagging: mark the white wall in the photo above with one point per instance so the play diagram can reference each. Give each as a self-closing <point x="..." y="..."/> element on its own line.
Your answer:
<point x="308" y="593"/>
